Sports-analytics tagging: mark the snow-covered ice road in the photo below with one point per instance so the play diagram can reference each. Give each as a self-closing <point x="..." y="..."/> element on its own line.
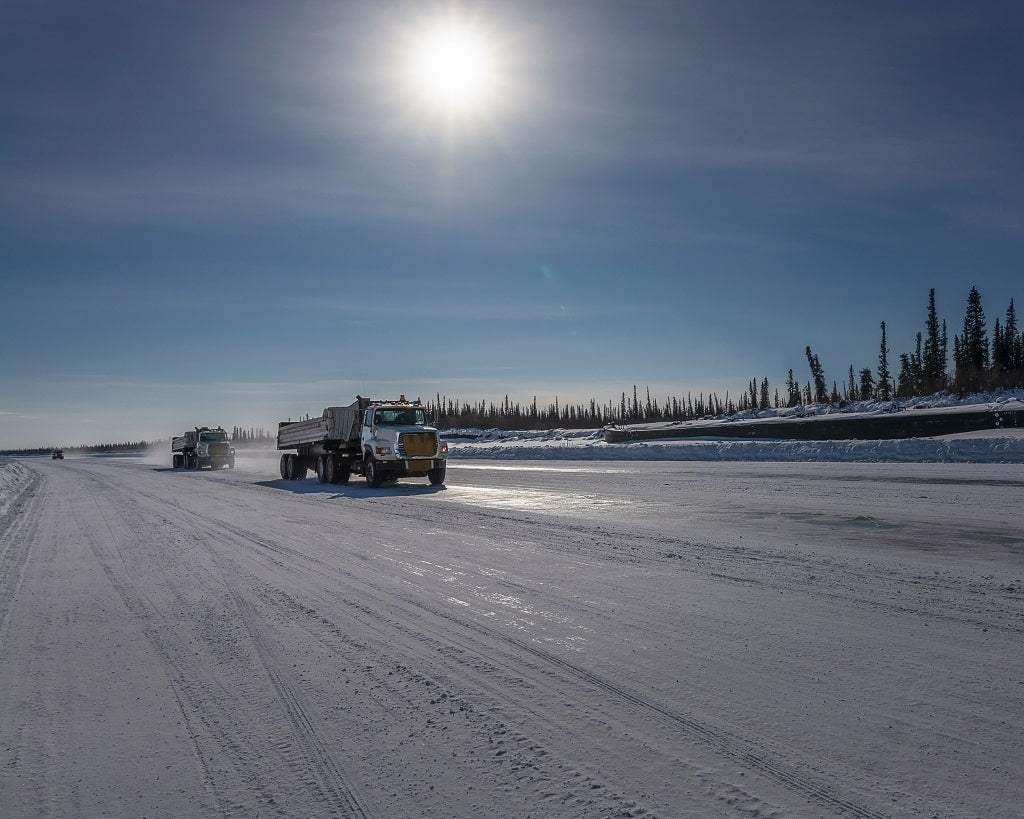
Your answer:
<point x="546" y="639"/>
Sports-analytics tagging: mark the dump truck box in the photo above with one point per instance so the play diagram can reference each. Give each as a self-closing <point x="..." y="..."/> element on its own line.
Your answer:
<point x="339" y="424"/>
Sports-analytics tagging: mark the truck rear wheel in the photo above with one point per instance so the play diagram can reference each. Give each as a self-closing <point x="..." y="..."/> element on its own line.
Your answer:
<point x="436" y="476"/>
<point x="284" y="466"/>
<point x="339" y="469"/>
<point x="297" y="468"/>
<point x="321" y="469"/>
<point x="176" y="460"/>
<point x="374" y="477"/>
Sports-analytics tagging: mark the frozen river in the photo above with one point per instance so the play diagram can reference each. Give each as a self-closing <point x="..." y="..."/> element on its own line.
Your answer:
<point x="536" y="638"/>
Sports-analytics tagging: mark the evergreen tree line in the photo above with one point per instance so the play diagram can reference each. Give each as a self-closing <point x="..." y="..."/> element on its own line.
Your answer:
<point x="450" y="413"/>
<point x="121" y="446"/>
<point x="252" y="437"/>
<point x="979" y="364"/>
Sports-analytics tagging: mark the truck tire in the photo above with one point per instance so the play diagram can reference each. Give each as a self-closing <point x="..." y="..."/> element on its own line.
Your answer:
<point x="284" y="466"/>
<point x="321" y="469"/>
<point x="436" y="476"/>
<point x="330" y="469"/>
<point x="374" y="477"/>
<point x="297" y="467"/>
<point x="198" y="462"/>
<point x="176" y="460"/>
<point x="342" y="470"/>
<point x="231" y="462"/>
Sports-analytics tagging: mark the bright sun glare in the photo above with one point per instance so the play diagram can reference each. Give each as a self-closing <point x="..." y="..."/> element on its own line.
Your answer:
<point x="452" y="68"/>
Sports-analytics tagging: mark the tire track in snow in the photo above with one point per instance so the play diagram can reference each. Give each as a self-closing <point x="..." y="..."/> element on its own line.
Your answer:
<point x="314" y="756"/>
<point x="210" y="704"/>
<point x="779" y="570"/>
<point x="723" y="742"/>
<point x="528" y="754"/>
<point x="329" y="776"/>
<point x="19" y="523"/>
<point x="199" y="704"/>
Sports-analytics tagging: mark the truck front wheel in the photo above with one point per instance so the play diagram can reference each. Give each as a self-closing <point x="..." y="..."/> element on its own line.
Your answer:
<point x="436" y="476"/>
<point x="374" y="477"/>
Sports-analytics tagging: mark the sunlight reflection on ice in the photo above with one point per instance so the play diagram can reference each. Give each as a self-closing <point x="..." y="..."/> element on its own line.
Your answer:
<point x="534" y="500"/>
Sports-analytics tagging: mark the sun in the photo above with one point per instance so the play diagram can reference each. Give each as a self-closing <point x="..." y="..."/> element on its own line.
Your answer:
<point x="452" y="68"/>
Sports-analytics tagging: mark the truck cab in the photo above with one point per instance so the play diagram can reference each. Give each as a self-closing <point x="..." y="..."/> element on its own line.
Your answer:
<point x="397" y="442"/>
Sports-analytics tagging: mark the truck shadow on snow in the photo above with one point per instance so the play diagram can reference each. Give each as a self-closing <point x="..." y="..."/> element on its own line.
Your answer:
<point x="357" y="491"/>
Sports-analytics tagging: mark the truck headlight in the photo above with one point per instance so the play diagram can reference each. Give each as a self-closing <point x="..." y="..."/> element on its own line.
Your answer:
<point x="383" y="450"/>
<point x="444" y="447"/>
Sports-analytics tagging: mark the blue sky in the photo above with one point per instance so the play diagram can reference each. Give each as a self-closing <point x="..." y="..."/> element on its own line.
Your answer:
<point x="238" y="212"/>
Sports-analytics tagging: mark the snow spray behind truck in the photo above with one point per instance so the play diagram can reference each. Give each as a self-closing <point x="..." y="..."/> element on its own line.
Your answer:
<point x="380" y="440"/>
<point x="203" y="446"/>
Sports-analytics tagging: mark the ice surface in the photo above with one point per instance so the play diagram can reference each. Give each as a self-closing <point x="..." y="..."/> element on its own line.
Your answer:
<point x="565" y="637"/>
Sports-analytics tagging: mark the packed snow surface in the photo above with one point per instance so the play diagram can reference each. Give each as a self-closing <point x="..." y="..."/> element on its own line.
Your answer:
<point x="575" y="637"/>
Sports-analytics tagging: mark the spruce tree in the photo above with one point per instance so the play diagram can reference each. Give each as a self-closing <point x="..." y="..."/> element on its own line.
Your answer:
<point x="820" y="388"/>
<point x="867" y="384"/>
<point x="933" y="362"/>
<point x="884" y="385"/>
<point x="974" y="359"/>
<point x="1013" y="348"/>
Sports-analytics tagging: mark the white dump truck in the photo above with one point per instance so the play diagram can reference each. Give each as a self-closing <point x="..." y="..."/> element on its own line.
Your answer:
<point x="202" y="446"/>
<point x="380" y="440"/>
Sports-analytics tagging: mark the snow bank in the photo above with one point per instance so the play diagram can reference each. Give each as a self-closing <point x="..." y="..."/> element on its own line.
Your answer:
<point x="13" y="476"/>
<point x="995" y="446"/>
<point x="990" y="446"/>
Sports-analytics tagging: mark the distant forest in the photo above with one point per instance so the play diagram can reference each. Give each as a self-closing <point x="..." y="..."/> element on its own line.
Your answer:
<point x="978" y="362"/>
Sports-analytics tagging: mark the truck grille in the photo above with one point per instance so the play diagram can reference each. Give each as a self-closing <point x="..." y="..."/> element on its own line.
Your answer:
<point x="219" y="449"/>
<point x="417" y="445"/>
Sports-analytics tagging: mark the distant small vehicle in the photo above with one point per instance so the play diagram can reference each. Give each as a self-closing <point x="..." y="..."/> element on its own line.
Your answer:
<point x="57" y="454"/>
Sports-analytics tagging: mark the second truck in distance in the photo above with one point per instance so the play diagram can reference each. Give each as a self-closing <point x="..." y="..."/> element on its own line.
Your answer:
<point x="202" y="446"/>
<point x="380" y="440"/>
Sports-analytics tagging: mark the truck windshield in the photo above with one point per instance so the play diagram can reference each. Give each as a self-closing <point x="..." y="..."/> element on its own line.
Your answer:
<point x="210" y="437"/>
<point x="399" y="417"/>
